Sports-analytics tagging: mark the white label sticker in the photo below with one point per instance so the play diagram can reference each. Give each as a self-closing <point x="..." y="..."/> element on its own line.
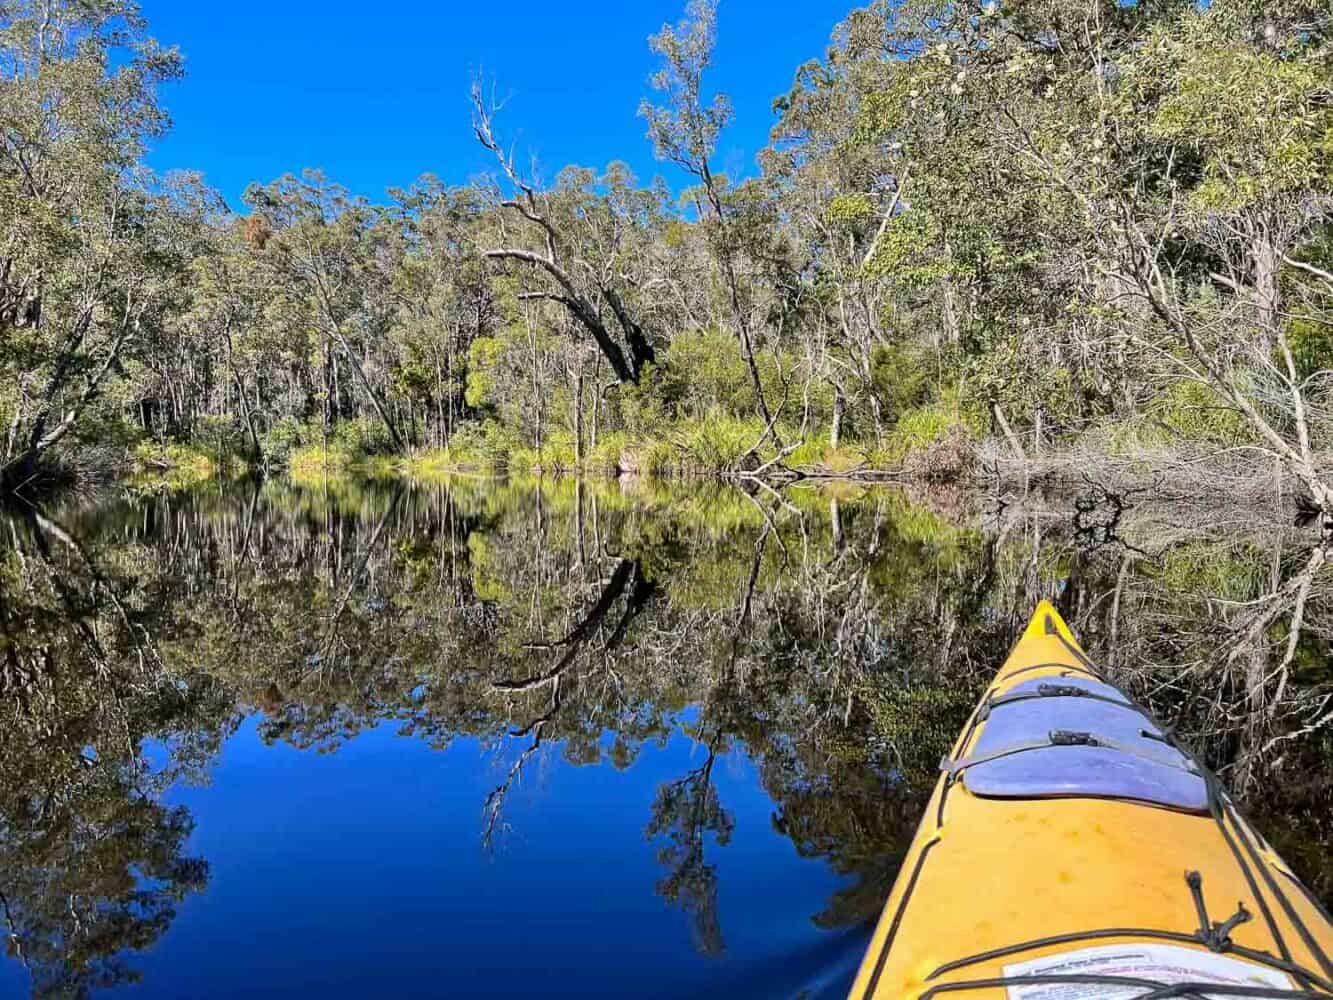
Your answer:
<point x="1163" y="964"/>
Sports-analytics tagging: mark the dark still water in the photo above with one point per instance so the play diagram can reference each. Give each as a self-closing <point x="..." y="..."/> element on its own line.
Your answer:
<point x="486" y="738"/>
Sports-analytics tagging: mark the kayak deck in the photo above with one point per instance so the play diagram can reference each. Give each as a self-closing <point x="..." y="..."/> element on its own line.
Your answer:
<point x="1057" y="870"/>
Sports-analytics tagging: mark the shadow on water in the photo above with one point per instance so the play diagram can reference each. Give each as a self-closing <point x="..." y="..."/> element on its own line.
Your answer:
<point x="771" y="678"/>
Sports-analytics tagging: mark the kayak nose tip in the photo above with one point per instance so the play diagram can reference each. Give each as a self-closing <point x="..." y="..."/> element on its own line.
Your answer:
<point x="1047" y="621"/>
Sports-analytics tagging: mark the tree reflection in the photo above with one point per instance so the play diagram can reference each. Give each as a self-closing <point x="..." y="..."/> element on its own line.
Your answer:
<point x="686" y="811"/>
<point x="836" y="637"/>
<point x="92" y="865"/>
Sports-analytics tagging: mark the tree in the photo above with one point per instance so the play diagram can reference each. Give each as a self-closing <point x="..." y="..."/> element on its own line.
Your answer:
<point x="321" y="255"/>
<point x="86" y="247"/>
<point x="685" y="130"/>
<point x="582" y="273"/>
<point x="442" y="292"/>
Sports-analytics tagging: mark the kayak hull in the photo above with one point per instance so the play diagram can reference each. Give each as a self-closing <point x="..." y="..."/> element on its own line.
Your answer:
<point x="1052" y="882"/>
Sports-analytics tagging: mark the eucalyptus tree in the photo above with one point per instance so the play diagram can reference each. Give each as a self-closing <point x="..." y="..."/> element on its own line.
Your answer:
<point x="321" y="255"/>
<point x="684" y="130"/>
<point x="442" y="292"/>
<point x="85" y="247"/>
<point x="577" y="244"/>
<point x="840" y="190"/>
<point x="226" y="318"/>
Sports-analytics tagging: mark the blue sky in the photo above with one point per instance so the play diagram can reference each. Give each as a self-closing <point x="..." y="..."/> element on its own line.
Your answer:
<point x="376" y="95"/>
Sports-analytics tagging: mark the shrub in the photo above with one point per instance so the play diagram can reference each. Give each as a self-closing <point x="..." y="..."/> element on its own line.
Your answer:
<point x="941" y="431"/>
<point x="945" y="459"/>
<point x="659" y="458"/>
<point x="608" y="456"/>
<point x="362" y="436"/>
<point x="281" y="439"/>
<point x="314" y="464"/>
<point x="1311" y="345"/>
<point x="1197" y="412"/>
<point x="719" y="442"/>
<point x="901" y="375"/>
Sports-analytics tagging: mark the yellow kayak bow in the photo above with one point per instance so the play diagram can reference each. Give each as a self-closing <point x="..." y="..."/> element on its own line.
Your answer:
<point x="1073" y="850"/>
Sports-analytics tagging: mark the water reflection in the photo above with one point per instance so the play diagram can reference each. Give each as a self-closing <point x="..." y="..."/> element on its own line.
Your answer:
<point x="833" y="638"/>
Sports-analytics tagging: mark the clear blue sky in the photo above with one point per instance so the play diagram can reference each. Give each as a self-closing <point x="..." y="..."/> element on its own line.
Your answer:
<point x="376" y="94"/>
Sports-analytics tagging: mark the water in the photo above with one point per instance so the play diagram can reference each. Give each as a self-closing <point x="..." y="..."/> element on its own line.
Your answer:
<point x="483" y="737"/>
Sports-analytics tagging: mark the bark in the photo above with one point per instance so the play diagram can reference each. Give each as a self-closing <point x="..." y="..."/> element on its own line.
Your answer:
<point x="14" y="472"/>
<point x="1009" y="434"/>
<point x="579" y="307"/>
<point x="640" y="348"/>
<point x="374" y="397"/>
<point x="245" y="400"/>
<point x="578" y="416"/>
<point x="1266" y="260"/>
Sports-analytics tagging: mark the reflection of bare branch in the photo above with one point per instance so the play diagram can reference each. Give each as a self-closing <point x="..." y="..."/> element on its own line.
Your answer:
<point x="1292" y="595"/>
<point x="585" y="628"/>
<point x="15" y="942"/>
<point x="1317" y="723"/>
<point x="629" y="576"/>
<point x="744" y="620"/>
<point x="1306" y="578"/>
<point x="493" y="809"/>
<point x="332" y="634"/>
<point x="137" y="635"/>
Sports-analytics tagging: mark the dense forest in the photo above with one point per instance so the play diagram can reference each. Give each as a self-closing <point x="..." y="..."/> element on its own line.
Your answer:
<point x="980" y="229"/>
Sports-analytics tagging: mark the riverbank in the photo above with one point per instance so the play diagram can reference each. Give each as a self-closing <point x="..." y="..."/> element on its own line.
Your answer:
<point x="933" y="447"/>
<point x="929" y="444"/>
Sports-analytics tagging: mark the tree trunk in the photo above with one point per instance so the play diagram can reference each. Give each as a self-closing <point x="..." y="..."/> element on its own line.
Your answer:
<point x="1267" y="262"/>
<point x="596" y="400"/>
<point x="245" y="400"/>
<point x="375" y="400"/>
<point x="578" y="416"/>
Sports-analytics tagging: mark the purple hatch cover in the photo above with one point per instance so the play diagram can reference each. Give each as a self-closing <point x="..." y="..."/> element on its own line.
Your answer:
<point x="1162" y="775"/>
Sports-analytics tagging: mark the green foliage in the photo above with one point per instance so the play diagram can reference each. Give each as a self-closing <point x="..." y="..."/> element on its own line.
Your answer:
<point x="1194" y="411"/>
<point x="607" y="457"/>
<point x="483" y="359"/>
<point x="361" y="437"/>
<point x="718" y="442"/>
<point x="1216" y="571"/>
<point x="918" y="722"/>
<point x="179" y="465"/>
<point x="1007" y="374"/>
<point x="903" y="375"/>
<point x="1257" y="121"/>
<point x="920" y="428"/>
<point x="817" y="455"/>
<point x="282" y="438"/>
<point x="1311" y="343"/>
<point x="557" y="454"/>
<point x="961" y="209"/>
<point x="314" y="464"/>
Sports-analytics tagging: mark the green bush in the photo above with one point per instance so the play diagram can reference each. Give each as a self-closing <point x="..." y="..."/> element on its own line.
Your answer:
<point x="945" y="423"/>
<point x="281" y="439"/>
<point x="1196" y="412"/>
<point x="608" y="454"/>
<point x="365" y="435"/>
<point x="718" y="442"/>
<point x="1311" y="345"/>
<point x="902" y="376"/>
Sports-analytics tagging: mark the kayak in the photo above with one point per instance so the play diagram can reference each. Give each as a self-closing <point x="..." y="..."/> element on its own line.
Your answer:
<point x="1073" y="849"/>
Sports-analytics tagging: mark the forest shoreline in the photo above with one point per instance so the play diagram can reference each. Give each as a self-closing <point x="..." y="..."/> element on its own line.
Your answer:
<point x="974" y="241"/>
<point x="1111" y="467"/>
